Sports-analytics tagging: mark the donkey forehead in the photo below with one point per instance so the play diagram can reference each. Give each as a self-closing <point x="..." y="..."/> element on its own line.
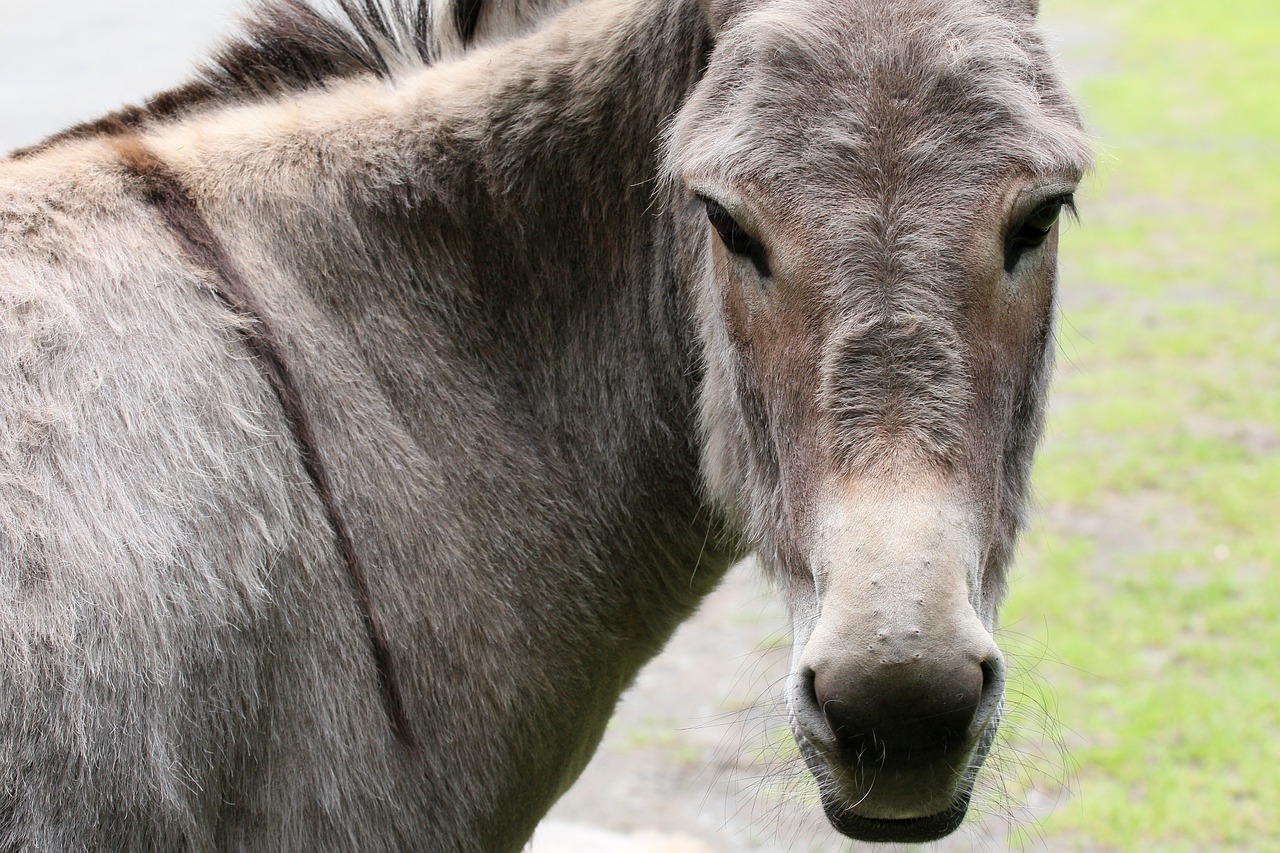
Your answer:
<point x="825" y="100"/>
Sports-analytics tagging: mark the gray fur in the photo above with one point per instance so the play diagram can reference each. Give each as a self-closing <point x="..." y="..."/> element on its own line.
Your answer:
<point x="515" y="338"/>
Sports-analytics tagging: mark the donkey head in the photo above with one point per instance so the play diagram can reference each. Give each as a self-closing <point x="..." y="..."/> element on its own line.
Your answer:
<point x="878" y="187"/>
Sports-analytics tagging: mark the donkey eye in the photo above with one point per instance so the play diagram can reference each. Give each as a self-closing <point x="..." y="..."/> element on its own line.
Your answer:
<point x="1034" y="230"/>
<point x="735" y="239"/>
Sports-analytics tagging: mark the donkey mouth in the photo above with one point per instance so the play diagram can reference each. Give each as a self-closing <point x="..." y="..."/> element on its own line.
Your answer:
<point x="916" y="830"/>
<point x="844" y="818"/>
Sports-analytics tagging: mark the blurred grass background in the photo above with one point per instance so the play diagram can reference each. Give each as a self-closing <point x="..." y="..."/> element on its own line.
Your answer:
<point x="1147" y="608"/>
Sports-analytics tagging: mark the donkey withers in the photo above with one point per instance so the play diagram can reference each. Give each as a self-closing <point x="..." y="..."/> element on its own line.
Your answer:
<point x="369" y="424"/>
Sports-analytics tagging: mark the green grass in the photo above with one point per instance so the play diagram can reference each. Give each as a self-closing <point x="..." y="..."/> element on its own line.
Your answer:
<point x="1153" y="577"/>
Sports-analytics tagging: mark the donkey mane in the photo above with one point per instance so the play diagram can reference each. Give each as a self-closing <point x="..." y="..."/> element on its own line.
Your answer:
<point x="287" y="46"/>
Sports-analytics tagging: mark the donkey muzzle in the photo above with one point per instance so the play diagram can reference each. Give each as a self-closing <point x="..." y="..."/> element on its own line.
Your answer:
<point x="896" y="688"/>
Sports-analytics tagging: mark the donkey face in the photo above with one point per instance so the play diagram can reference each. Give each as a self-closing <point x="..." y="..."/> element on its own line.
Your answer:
<point x="879" y="186"/>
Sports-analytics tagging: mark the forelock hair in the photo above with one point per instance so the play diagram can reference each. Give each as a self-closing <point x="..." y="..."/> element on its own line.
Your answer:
<point x="962" y="58"/>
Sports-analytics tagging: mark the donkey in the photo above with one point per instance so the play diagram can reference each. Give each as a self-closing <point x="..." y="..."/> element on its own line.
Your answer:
<point x="371" y="415"/>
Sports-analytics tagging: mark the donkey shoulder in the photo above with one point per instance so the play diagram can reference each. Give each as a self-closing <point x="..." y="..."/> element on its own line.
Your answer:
<point x="148" y="499"/>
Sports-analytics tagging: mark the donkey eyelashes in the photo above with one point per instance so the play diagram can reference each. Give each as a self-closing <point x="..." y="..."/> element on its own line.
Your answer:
<point x="1035" y="229"/>
<point x="735" y="238"/>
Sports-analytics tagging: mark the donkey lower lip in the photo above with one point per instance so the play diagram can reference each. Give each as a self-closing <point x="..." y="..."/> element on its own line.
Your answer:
<point x="912" y="830"/>
<point x="917" y="830"/>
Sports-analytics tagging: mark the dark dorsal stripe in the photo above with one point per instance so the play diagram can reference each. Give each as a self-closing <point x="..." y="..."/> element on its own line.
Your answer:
<point x="164" y="191"/>
<point x="466" y="17"/>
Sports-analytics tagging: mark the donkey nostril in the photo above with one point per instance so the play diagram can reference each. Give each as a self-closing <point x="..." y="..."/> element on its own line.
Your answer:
<point x="809" y="678"/>
<point x="809" y="711"/>
<point x="842" y="707"/>
<point x="992" y="693"/>
<point x="809" y="691"/>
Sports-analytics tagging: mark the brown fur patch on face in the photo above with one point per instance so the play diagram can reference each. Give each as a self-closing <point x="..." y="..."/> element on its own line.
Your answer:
<point x="896" y="381"/>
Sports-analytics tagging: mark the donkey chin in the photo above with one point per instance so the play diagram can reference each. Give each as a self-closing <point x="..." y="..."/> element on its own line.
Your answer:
<point x="897" y="682"/>
<point x="873" y="800"/>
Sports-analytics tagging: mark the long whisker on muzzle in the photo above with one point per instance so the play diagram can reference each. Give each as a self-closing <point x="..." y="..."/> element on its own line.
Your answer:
<point x="1029" y="770"/>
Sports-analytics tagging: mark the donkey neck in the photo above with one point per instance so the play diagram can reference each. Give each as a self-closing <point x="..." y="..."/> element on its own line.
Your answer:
<point x="542" y="160"/>
<point x="481" y="241"/>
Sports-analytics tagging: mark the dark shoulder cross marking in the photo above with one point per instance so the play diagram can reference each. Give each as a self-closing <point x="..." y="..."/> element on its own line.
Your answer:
<point x="165" y="191"/>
